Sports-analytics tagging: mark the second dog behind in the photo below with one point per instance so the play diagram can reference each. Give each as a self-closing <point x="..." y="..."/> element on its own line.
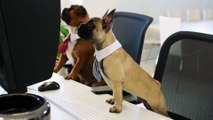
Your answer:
<point x="76" y="49"/>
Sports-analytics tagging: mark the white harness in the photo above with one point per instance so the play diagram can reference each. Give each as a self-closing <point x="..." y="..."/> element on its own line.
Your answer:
<point x="100" y="55"/>
<point x="71" y="44"/>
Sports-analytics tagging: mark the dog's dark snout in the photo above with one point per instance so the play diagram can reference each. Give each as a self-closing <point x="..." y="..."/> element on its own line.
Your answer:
<point x="65" y="11"/>
<point x="83" y="31"/>
<point x="65" y="15"/>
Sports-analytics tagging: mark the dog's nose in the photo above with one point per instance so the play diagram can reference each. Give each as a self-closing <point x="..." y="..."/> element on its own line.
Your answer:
<point x="81" y="31"/>
<point x="65" y="15"/>
<point x="65" y="9"/>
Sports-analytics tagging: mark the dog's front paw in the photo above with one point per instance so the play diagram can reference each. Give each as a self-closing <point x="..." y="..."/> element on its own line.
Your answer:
<point x="110" y="101"/>
<point x="72" y="76"/>
<point x="68" y="77"/>
<point x="56" y="69"/>
<point x="115" y="110"/>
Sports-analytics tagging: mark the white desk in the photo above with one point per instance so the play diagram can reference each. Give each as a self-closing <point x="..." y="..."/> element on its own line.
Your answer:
<point x="153" y="31"/>
<point x="74" y="89"/>
<point x="199" y="26"/>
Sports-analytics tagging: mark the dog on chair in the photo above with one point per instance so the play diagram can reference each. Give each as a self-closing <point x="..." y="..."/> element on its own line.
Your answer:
<point x="118" y="69"/>
<point x="76" y="49"/>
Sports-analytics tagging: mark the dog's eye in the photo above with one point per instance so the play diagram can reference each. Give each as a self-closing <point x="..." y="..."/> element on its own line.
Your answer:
<point x="90" y="26"/>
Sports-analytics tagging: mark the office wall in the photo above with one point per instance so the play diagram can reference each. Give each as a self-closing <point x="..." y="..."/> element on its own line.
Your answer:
<point x="67" y="3"/>
<point x="155" y="8"/>
<point x="97" y="8"/>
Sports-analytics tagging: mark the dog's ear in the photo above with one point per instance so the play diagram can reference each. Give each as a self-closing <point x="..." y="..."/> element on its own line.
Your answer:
<point x="81" y="11"/>
<point x="107" y="20"/>
<point x="105" y="14"/>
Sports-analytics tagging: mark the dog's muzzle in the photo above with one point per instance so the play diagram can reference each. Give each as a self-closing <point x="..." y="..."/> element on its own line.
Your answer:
<point x="84" y="32"/>
<point x="65" y="17"/>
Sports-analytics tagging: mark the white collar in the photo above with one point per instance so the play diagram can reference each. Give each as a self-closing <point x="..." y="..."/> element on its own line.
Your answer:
<point x="74" y="36"/>
<point x="101" y="54"/>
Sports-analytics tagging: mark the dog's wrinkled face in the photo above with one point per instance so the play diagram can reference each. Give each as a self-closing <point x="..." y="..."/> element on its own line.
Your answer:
<point x="73" y="15"/>
<point x="96" y="29"/>
<point x="90" y="30"/>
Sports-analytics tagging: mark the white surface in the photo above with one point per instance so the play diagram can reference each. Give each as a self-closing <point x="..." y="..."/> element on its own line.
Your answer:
<point x="2" y="91"/>
<point x="75" y="107"/>
<point x="168" y="26"/>
<point x="70" y="88"/>
<point x="199" y="26"/>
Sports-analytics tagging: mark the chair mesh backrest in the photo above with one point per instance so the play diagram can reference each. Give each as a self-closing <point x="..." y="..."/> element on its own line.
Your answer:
<point x="185" y="69"/>
<point x="129" y="29"/>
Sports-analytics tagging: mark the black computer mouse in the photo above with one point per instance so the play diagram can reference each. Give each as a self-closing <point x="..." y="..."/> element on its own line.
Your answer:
<point x="47" y="86"/>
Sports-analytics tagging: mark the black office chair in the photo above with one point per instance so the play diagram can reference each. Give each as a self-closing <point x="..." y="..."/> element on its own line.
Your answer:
<point x="184" y="68"/>
<point x="130" y="28"/>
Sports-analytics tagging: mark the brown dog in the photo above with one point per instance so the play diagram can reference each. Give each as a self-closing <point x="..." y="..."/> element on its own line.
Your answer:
<point x="118" y="69"/>
<point x="79" y="51"/>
